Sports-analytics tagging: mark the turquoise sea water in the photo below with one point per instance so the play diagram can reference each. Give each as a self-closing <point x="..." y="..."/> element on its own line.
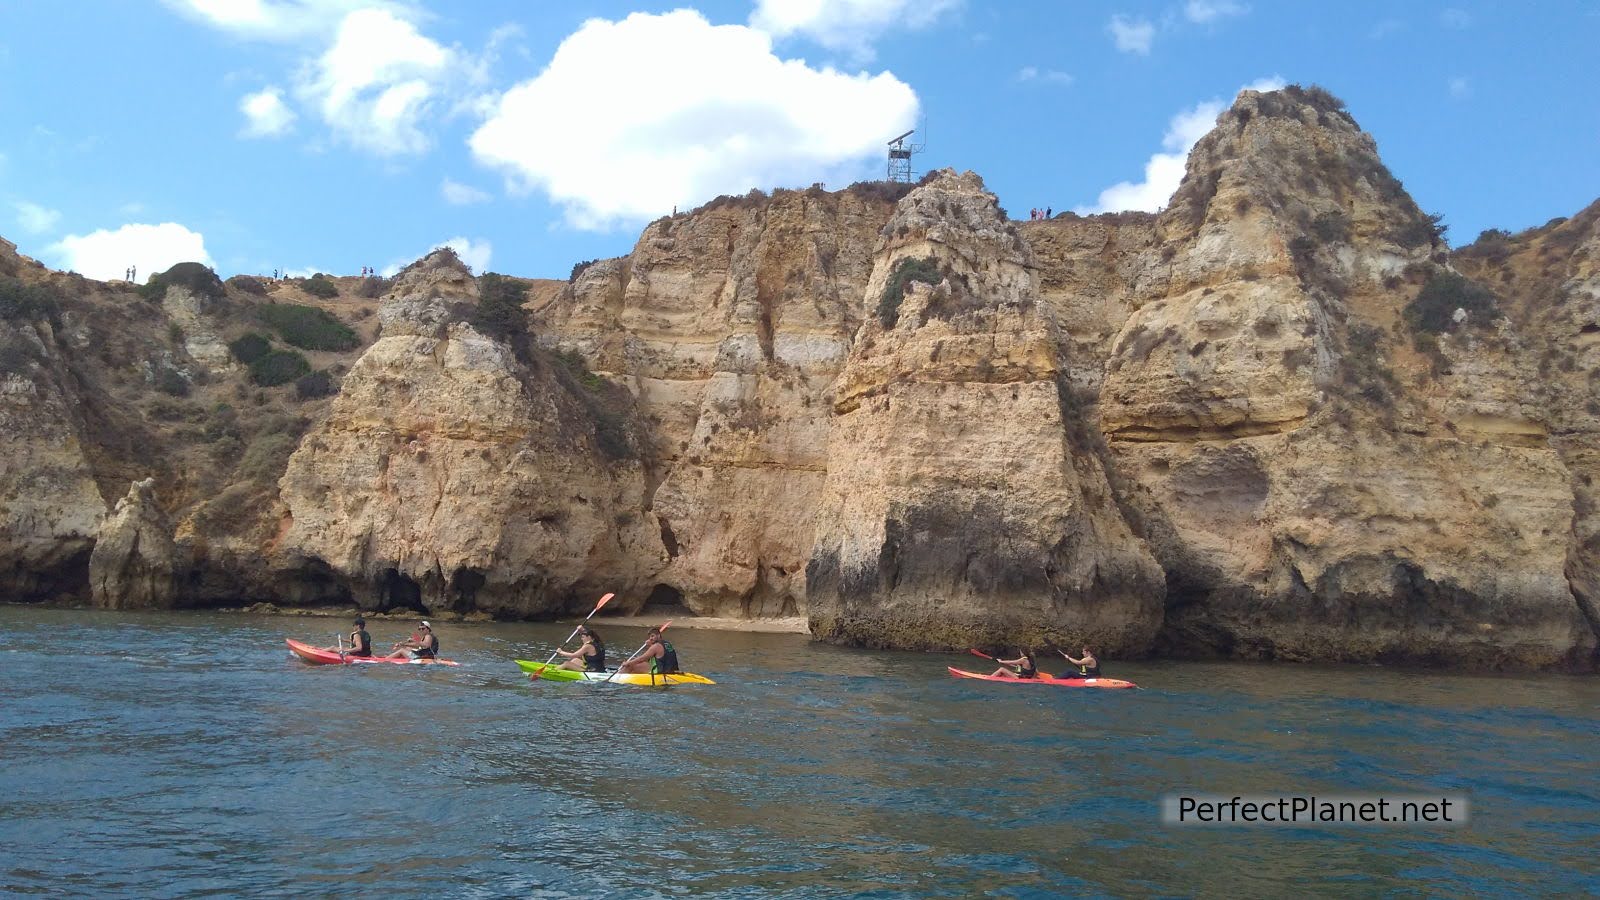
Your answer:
<point x="187" y="754"/>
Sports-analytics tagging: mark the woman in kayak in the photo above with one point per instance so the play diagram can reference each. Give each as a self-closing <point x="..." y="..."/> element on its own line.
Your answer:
<point x="360" y="641"/>
<point x="1023" y="663"/>
<point x="421" y="645"/>
<point x="591" y="657"/>
<point x="658" y="657"/>
<point x="1088" y="666"/>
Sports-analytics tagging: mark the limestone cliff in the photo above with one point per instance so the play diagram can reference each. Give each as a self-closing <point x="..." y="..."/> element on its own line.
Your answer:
<point x="729" y="324"/>
<point x="135" y="562"/>
<point x="451" y="473"/>
<point x="50" y="506"/>
<point x="1279" y="420"/>
<point x="1314" y="485"/>
<point x="958" y="510"/>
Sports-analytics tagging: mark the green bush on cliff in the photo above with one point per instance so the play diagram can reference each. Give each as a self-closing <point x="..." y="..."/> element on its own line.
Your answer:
<point x="317" y="384"/>
<point x="278" y="367"/>
<point x="1435" y="306"/>
<point x="500" y="313"/>
<point x="23" y="302"/>
<point x="906" y="271"/>
<point x="308" y="327"/>
<point x="197" y="278"/>
<point x="249" y="347"/>
<point x="247" y="284"/>
<point x="1425" y="230"/>
<point x="318" y="285"/>
<point x="266" y="458"/>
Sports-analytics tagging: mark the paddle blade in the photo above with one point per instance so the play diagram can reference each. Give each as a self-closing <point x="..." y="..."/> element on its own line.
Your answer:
<point x="980" y="653"/>
<point x="665" y="624"/>
<point x="603" y="601"/>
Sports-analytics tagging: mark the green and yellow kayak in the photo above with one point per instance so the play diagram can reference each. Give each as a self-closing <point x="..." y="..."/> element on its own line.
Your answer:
<point x="556" y="673"/>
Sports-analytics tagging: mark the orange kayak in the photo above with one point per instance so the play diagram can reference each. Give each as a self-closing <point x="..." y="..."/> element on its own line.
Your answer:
<point x="320" y="657"/>
<point x="1046" y="679"/>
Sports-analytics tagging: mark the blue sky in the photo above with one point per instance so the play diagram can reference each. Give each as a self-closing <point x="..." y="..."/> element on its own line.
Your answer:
<point x="330" y="134"/>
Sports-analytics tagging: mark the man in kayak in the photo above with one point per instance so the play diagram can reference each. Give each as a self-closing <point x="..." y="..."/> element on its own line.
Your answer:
<point x="360" y="641"/>
<point x="657" y="657"/>
<point x="421" y="645"/>
<point x="591" y="657"/>
<point x="1023" y="663"/>
<point x="1088" y="666"/>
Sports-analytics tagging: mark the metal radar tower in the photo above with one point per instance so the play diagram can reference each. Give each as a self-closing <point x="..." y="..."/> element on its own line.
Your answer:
<point x="900" y="157"/>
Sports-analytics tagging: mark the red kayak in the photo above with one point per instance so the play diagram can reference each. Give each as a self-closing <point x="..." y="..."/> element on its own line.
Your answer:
<point x="321" y="657"/>
<point x="1046" y="679"/>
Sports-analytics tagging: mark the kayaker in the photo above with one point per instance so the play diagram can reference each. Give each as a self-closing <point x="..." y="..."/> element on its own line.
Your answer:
<point x="591" y="657"/>
<point x="1025" y="667"/>
<point x="421" y="645"/>
<point x="658" y="657"/>
<point x="360" y="641"/>
<point x="1088" y="666"/>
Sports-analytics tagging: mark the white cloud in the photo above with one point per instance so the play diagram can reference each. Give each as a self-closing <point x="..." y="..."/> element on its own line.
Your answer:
<point x="280" y="20"/>
<point x="474" y="253"/>
<point x="1203" y="12"/>
<point x="265" y="114"/>
<point x="1460" y="88"/>
<point x="718" y="113"/>
<point x="378" y="81"/>
<point x="1164" y="171"/>
<point x="108" y="254"/>
<point x="1050" y="76"/>
<point x="848" y="25"/>
<point x="1132" y="35"/>
<point x="35" y="219"/>
<point x="457" y="194"/>
<point x="1384" y="28"/>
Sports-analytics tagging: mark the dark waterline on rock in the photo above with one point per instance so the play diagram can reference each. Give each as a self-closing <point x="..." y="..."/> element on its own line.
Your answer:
<point x="188" y="754"/>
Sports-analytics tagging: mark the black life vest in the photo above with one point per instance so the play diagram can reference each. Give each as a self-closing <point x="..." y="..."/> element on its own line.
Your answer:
<point x="668" y="663"/>
<point x="429" y="650"/>
<point x="1027" y="669"/>
<point x="360" y="643"/>
<point x="596" y="661"/>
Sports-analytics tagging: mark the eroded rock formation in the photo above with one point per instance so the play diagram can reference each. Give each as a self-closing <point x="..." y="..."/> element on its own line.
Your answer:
<point x="1279" y="420"/>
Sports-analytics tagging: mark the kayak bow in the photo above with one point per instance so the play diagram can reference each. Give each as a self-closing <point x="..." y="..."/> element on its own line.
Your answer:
<point x="556" y="673"/>
<point x="1046" y="679"/>
<point x="320" y="657"/>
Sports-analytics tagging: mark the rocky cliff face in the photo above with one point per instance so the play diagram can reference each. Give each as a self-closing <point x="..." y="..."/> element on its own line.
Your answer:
<point x="451" y="473"/>
<point x="1279" y="420"/>
<point x="1315" y="474"/>
<point x="135" y="562"/>
<point x="958" y="507"/>
<point x="50" y="506"/>
<point x="729" y="325"/>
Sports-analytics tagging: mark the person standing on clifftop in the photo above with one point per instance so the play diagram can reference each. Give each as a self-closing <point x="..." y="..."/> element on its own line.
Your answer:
<point x="1025" y="667"/>
<point x="1088" y="666"/>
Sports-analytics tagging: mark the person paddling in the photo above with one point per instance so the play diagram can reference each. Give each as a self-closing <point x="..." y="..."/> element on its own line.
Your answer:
<point x="1088" y="666"/>
<point x="658" y="657"/>
<point x="591" y="657"/>
<point x="360" y="641"/>
<point x="1025" y="667"/>
<point x="421" y="645"/>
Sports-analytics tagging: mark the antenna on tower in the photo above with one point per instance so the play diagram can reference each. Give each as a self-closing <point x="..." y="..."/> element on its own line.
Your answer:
<point x="900" y="157"/>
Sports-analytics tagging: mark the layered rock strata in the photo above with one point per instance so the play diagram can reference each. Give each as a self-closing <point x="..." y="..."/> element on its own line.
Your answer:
<point x="959" y="507"/>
